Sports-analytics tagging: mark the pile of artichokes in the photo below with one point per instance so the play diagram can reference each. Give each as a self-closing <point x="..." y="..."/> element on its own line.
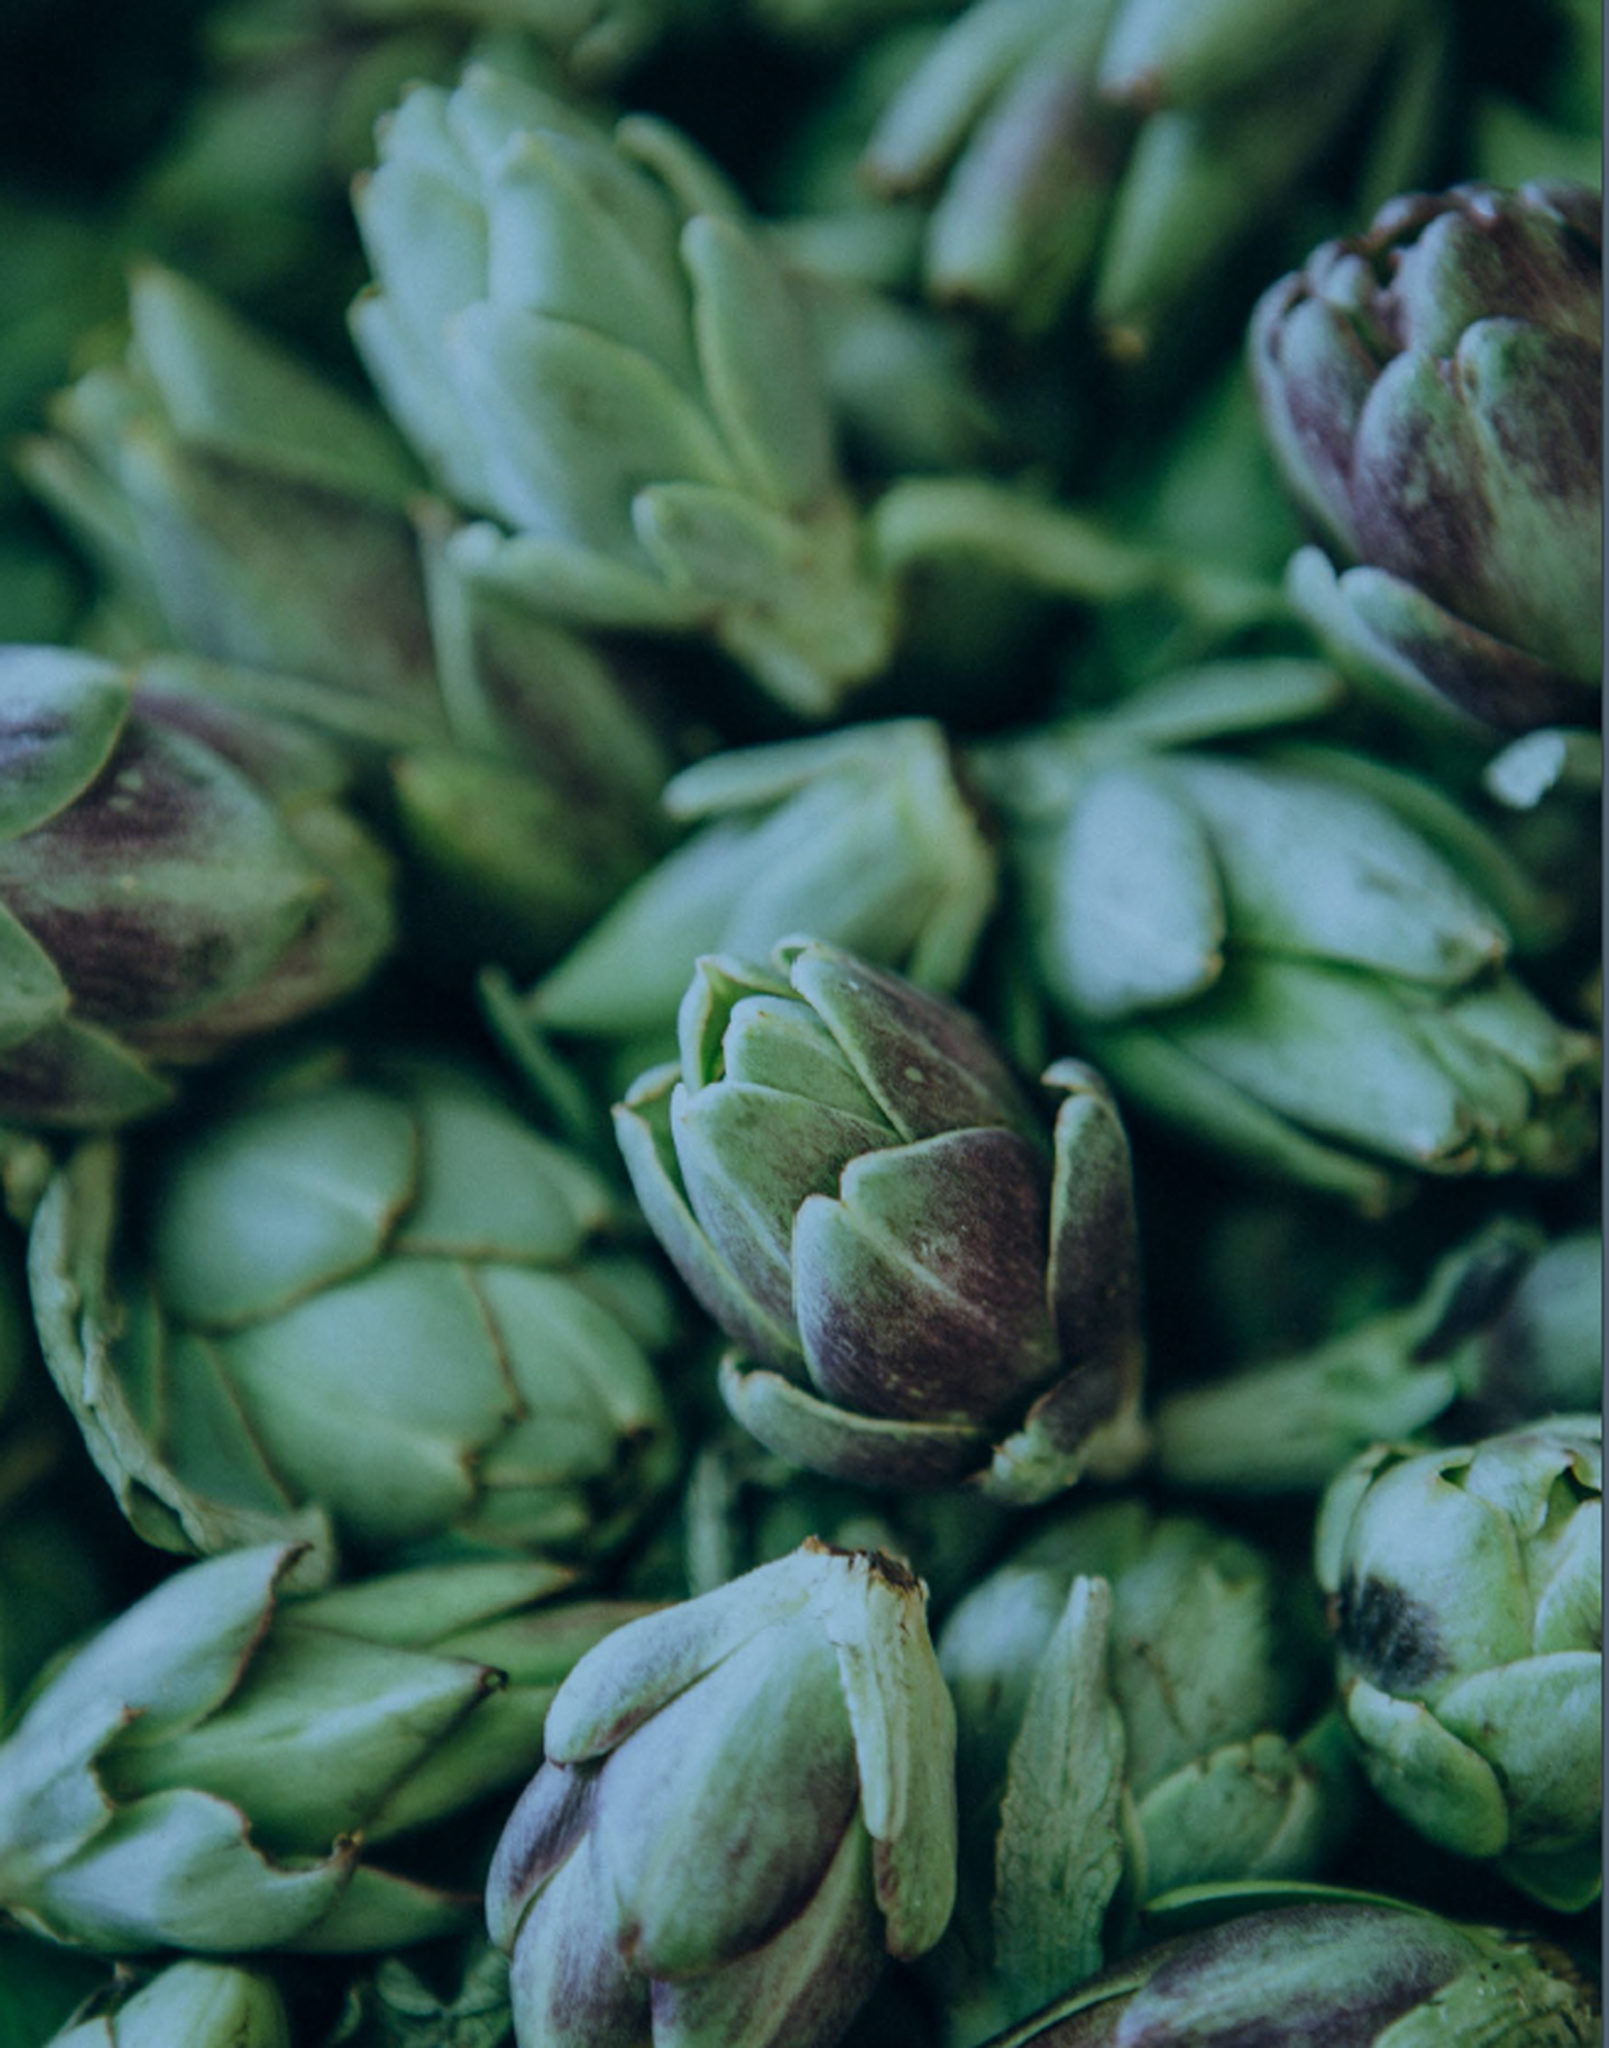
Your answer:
<point x="800" y="1008"/>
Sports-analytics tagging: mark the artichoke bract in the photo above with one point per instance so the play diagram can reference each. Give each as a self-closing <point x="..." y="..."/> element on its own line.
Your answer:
<point x="1297" y="954"/>
<point x="1467" y="1596"/>
<point x="247" y="511"/>
<point x="1508" y="1327"/>
<point x="748" y="1801"/>
<point x="1432" y="390"/>
<point x="174" y="877"/>
<point x="852" y="1181"/>
<point x="205" y="2005"/>
<point x="1125" y="145"/>
<point x="225" y="1766"/>
<point x="590" y="348"/>
<point x="1136" y="1710"/>
<point x="1347" y="1972"/>
<point x="379" y="1304"/>
<point x="864" y="837"/>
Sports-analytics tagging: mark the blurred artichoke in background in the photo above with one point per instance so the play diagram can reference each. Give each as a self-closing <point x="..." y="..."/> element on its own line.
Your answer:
<point x="1297" y="954"/>
<point x="1508" y="1328"/>
<point x="1467" y="1597"/>
<point x="379" y="1303"/>
<point x="864" y="837"/>
<point x="588" y="345"/>
<point x="1432" y="389"/>
<point x="174" y="877"/>
<point x="216" y="1769"/>
<point x="1131" y="1693"/>
<point x="1132" y="146"/>
<point x="1345" y="1971"/>
<point x="204" y="2005"/>
<point x="744" y="1506"/>
<point x="852" y="1181"/>
<point x="246" y="510"/>
<point x="748" y="1801"/>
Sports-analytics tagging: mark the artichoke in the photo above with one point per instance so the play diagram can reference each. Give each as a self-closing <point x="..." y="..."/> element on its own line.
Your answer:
<point x="1432" y="389"/>
<point x="217" y="1768"/>
<point x="853" y="1183"/>
<point x="256" y="1339"/>
<point x="204" y="2005"/>
<point x="247" y="511"/>
<point x="1467" y="1597"/>
<point x="1127" y="146"/>
<point x="1508" y="1327"/>
<point x="1297" y="954"/>
<point x="1132" y="1694"/>
<point x="174" y="876"/>
<point x="747" y="1801"/>
<point x="1349" y="1972"/>
<point x="865" y="837"/>
<point x="590" y="347"/>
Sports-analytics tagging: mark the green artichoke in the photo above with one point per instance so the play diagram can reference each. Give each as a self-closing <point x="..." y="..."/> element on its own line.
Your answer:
<point x="217" y="1769"/>
<point x="747" y="1801"/>
<point x="865" y="837"/>
<point x="204" y="2005"/>
<point x="245" y="510"/>
<point x="1132" y="1698"/>
<point x="1296" y="954"/>
<point x="851" y="1180"/>
<point x="1346" y="1972"/>
<point x="744" y="1506"/>
<point x="1432" y="389"/>
<point x="1467" y="1597"/>
<point x="1508" y="1327"/>
<point x="590" y="347"/>
<point x="255" y="1338"/>
<point x="174" y="876"/>
<point x="1128" y="147"/>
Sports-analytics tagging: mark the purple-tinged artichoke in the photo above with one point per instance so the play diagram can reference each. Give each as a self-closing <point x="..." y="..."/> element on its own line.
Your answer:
<point x="749" y="1800"/>
<point x="850" y="1178"/>
<point x="174" y="877"/>
<point x="1433" y="392"/>
<point x="1345" y="1970"/>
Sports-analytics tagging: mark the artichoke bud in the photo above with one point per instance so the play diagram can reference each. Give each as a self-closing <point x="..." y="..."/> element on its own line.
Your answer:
<point x="216" y="1769"/>
<point x="1450" y="356"/>
<point x="748" y="1801"/>
<point x="1131" y="1699"/>
<point x="1356" y="1972"/>
<point x="1221" y="933"/>
<point x="1507" y="1327"/>
<point x="867" y="836"/>
<point x="318" y="1253"/>
<point x="932" y="1285"/>
<point x="204" y="2005"/>
<point x="591" y="349"/>
<point x="171" y="880"/>
<point x="1466" y="1596"/>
